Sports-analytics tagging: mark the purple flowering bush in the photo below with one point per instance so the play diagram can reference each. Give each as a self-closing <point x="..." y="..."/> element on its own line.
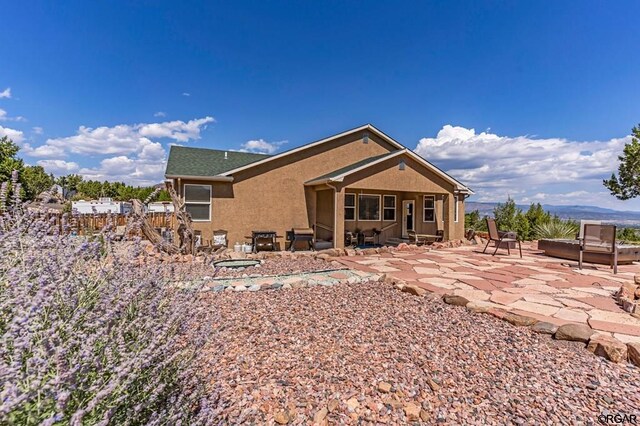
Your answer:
<point x="91" y="335"/>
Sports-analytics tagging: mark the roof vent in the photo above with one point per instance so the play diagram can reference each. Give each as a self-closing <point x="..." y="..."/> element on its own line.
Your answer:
<point x="365" y="137"/>
<point x="225" y="155"/>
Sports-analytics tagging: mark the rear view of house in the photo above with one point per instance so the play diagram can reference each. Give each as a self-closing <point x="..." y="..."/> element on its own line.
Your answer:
<point x="357" y="180"/>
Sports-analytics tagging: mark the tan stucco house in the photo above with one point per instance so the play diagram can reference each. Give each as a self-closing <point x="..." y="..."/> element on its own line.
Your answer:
<point x="360" y="179"/>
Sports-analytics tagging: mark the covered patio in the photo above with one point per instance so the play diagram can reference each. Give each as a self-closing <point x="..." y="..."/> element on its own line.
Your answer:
<point x="387" y="196"/>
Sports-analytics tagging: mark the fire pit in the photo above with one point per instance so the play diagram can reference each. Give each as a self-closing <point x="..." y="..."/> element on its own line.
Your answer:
<point x="570" y="249"/>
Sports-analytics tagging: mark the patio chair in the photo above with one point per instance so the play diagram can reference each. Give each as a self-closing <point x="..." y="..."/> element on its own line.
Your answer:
<point x="350" y="239"/>
<point x="219" y="239"/>
<point x="494" y="235"/>
<point x="600" y="239"/>
<point x="369" y="236"/>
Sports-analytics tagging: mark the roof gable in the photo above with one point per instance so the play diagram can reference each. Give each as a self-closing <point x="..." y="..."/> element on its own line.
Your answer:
<point x="202" y="162"/>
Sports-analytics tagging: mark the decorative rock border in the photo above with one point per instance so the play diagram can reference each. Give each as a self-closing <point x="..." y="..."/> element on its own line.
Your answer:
<point x="602" y="345"/>
<point x="289" y="281"/>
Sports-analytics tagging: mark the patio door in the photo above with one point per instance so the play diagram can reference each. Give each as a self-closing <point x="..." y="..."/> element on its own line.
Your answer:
<point x="408" y="217"/>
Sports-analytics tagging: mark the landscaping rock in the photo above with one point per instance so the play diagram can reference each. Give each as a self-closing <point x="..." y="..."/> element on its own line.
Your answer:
<point x="282" y="417"/>
<point x="424" y="415"/>
<point x="254" y="287"/>
<point x="451" y="299"/>
<point x="478" y="307"/>
<point x="352" y="404"/>
<point x="544" y="328"/>
<point x="519" y="320"/>
<point x="333" y="405"/>
<point x="633" y="352"/>
<point x="636" y="279"/>
<point x="412" y="411"/>
<point x="608" y="347"/>
<point x="320" y="415"/>
<point x="574" y="332"/>
<point x="628" y="290"/>
<point x="384" y="387"/>
<point x="414" y="289"/>
<point x="330" y="252"/>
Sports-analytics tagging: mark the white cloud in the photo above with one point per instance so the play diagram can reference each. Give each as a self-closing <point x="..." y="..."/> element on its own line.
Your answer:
<point x="176" y="130"/>
<point x="160" y="114"/>
<point x="6" y="93"/>
<point x="133" y="152"/>
<point x="5" y="117"/>
<point x="59" y="167"/>
<point x="37" y="130"/>
<point x="529" y="169"/>
<point x="15" y="135"/>
<point x="261" y="146"/>
<point x="186" y="94"/>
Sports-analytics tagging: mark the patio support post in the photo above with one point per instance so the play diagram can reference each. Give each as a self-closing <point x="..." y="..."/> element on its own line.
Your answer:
<point x="449" y="225"/>
<point x="338" y="226"/>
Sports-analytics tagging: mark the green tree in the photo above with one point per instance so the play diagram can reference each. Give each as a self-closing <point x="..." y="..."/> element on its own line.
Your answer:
<point x="535" y="216"/>
<point x="473" y="220"/>
<point x="35" y="180"/>
<point x="8" y="160"/>
<point x="510" y="218"/>
<point x="627" y="184"/>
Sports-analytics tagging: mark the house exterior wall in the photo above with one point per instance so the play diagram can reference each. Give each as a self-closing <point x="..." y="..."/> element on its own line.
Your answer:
<point x="273" y="196"/>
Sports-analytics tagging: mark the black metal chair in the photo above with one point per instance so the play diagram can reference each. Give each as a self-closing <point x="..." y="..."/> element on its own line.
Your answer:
<point x="494" y="235"/>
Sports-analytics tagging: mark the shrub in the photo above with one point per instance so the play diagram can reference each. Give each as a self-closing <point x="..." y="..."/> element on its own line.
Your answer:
<point x="88" y="335"/>
<point x="556" y="228"/>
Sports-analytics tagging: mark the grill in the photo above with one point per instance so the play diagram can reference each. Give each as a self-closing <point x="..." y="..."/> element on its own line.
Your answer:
<point x="300" y="234"/>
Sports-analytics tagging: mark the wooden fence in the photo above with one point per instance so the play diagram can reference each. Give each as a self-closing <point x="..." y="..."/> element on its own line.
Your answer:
<point x="89" y="224"/>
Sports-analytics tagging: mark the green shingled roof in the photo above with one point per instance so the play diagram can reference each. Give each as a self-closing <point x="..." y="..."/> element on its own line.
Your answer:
<point x="185" y="161"/>
<point x="354" y="166"/>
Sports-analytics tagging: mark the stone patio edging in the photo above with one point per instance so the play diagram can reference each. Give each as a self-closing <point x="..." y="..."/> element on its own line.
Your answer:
<point x="599" y="344"/>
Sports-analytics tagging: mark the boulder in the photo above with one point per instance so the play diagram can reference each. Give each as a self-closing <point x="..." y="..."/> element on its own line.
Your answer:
<point x="608" y="347"/>
<point x="574" y="332"/>
<point x="403" y="247"/>
<point x="633" y="351"/>
<point x="627" y="290"/>
<point x="369" y="251"/>
<point x="451" y="299"/>
<point x="519" y="320"/>
<point x="332" y="252"/>
<point x="414" y="289"/>
<point x="544" y="328"/>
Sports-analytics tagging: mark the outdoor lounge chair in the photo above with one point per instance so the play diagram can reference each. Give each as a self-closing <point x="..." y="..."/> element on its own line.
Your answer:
<point x="599" y="239"/>
<point x="499" y="239"/>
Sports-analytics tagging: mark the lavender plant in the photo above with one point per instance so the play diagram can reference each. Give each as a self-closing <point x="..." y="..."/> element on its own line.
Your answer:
<point x="91" y="335"/>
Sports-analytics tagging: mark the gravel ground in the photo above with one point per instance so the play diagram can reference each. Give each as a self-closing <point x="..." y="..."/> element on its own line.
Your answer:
<point x="277" y="266"/>
<point x="288" y="356"/>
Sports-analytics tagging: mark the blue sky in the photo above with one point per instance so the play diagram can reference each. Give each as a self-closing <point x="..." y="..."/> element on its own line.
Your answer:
<point x="551" y="89"/>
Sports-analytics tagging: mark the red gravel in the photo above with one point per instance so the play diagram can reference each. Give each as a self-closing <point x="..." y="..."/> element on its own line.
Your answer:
<point x="290" y="353"/>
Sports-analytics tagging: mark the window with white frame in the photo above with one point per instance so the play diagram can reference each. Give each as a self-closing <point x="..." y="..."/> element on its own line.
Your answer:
<point x="349" y="206"/>
<point x="429" y="208"/>
<point x="197" y="199"/>
<point x="456" y="211"/>
<point x="368" y="207"/>
<point x="389" y="207"/>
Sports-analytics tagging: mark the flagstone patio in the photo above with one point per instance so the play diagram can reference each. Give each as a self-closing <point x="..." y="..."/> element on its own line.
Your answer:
<point x="538" y="286"/>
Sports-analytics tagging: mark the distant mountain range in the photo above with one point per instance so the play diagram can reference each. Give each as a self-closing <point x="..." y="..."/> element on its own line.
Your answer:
<point x="626" y="218"/>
